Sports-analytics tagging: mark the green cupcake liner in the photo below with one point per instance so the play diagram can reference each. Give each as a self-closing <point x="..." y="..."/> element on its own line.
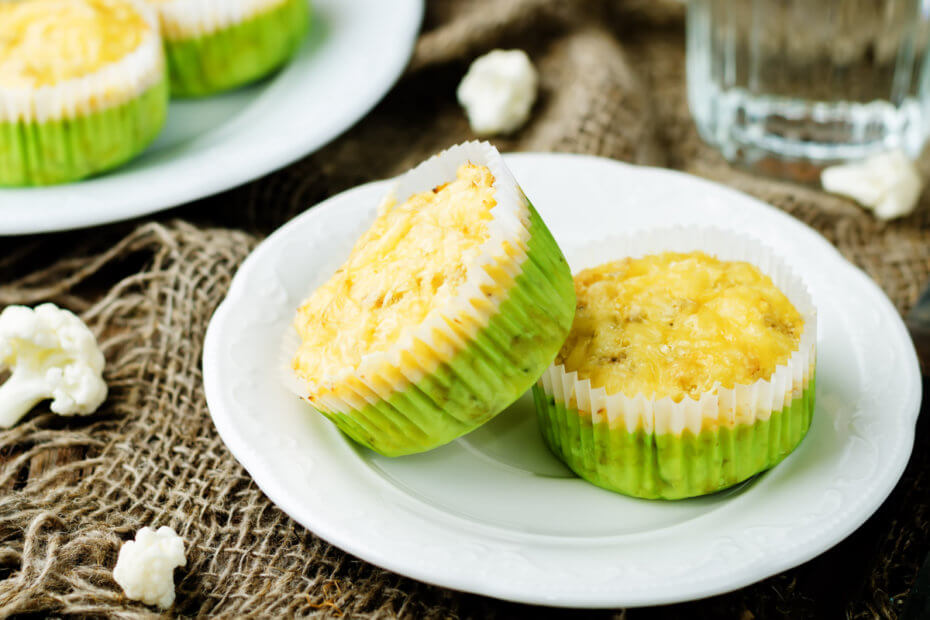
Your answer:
<point x="668" y="466"/>
<point x="500" y="363"/>
<point x="239" y="54"/>
<point x="69" y="149"/>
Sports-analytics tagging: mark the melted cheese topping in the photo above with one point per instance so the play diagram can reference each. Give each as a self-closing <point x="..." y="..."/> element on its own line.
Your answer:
<point x="45" y="42"/>
<point x="405" y="267"/>
<point x="676" y="324"/>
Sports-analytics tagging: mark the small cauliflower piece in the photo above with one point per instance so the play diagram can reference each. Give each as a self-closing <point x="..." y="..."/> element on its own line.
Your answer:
<point x="51" y="354"/>
<point x="887" y="183"/>
<point x="145" y="566"/>
<point x="498" y="92"/>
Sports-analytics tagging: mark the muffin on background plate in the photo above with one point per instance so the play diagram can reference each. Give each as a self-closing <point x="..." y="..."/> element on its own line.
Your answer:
<point x="689" y="367"/>
<point x="82" y="87"/>
<point x="447" y="310"/>
<point x="217" y="45"/>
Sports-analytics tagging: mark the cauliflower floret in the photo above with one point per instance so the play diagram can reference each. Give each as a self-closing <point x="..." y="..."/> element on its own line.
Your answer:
<point x="498" y="91"/>
<point x="888" y="183"/>
<point x="145" y="566"/>
<point x="51" y="354"/>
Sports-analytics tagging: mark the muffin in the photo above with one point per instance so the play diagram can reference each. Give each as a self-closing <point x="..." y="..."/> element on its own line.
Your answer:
<point x="216" y="45"/>
<point x="447" y="310"/>
<point x="684" y="373"/>
<point x="82" y="87"/>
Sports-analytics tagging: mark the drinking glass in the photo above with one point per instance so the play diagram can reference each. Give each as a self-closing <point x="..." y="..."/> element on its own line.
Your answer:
<point x="815" y="81"/>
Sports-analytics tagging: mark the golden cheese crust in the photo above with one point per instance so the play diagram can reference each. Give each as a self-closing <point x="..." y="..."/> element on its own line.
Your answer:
<point x="45" y="42"/>
<point x="678" y="324"/>
<point x="406" y="266"/>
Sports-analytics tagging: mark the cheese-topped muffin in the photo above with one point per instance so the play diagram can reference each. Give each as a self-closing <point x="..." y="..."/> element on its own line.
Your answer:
<point x="409" y="264"/>
<point x="82" y="87"/>
<point x="676" y="325"/>
<point x="683" y="373"/>
<point x="447" y="309"/>
<point x="216" y="45"/>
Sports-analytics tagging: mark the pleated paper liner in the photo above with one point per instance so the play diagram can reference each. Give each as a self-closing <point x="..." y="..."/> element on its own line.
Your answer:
<point x="472" y="358"/>
<point x="657" y="448"/>
<point x="214" y="46"/>
<point x="69" y="149"/>
<point x="83" y="126"/>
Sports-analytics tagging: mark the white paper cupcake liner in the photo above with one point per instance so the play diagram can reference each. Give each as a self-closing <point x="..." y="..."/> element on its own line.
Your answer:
<point x="421" y="348"/>
<point x="742" y="404"/>
<point x="110" y="86"/>
<point x="188" y="19"/>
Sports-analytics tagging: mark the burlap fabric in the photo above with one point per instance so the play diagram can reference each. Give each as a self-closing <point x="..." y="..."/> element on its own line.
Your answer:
<point x="73" y="489"/>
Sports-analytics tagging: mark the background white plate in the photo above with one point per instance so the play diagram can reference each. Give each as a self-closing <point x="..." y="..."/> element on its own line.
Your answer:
<point x="355" y="52"/>
<point x="494" y="512"/>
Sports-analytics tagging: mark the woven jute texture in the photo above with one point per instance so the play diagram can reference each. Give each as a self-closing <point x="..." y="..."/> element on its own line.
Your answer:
<point x="71" y="490"/>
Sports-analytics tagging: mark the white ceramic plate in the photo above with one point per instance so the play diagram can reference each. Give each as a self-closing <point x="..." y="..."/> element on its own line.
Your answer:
<point x="494" y="512"/>
<point x="355" y="52"/>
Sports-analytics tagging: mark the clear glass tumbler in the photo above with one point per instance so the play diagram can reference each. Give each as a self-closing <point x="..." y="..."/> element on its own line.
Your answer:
<point x="816" y="81"/>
